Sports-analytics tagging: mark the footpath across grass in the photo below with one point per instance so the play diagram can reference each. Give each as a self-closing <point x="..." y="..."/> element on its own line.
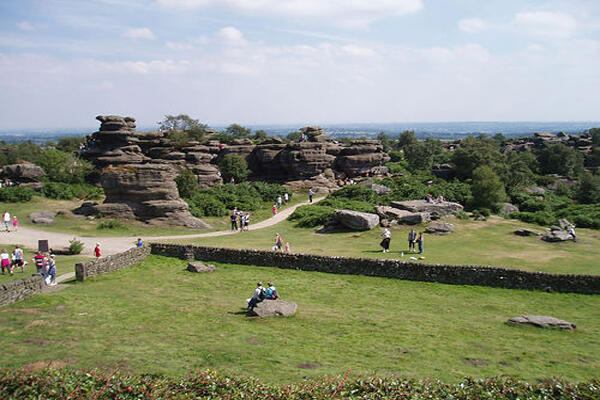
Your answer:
<point x="156" y="317"/>
<point x="490" y="242"/>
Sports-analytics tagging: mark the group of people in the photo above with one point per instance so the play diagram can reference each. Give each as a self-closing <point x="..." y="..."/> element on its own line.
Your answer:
<point x="278" y="246"/>
<point x="240" y="220"/>
<point x="6" y="183"/>
<point x="414" y="239"/>
<point x="429" y="198"/>
<point x="280" y="201"/>
<point x="261" y="293"/>
<point x="44" y="263"/>
<point x="8" y="221"/>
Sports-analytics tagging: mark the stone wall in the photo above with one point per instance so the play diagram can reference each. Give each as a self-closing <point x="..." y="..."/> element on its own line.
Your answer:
<point x="114" y="262"/>
<point x="19" y="289"/>
<point x="414" y="271"/>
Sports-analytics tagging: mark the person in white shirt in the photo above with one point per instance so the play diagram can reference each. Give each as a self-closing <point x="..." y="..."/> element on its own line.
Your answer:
<point x="257" y="297"/>
<point x="6" y="218"/>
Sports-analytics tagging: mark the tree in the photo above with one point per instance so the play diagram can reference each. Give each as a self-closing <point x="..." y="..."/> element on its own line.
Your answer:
<point x="69" y="144"/>
<point x="486" y="187"/>
<point x="407" y="138"/>
<point x="23" y="151"/>
<point x="519" y="169"/>
<point x="64" y="167"/>
<point x="234" y="166"/>
<point x="260" y="136"/>
<point x="589" y="189"/>
<point x="385" y="141"/>
<point x="187" y="184"/>
<point x="418" y="156"/>
<point x="559" y="159"/>
<point x="595" y="132"/>
<point x="474" y="153"/>
<point x="181" y="122"/>
<point x="294" y="136"/>
<point x="237" y="131"/>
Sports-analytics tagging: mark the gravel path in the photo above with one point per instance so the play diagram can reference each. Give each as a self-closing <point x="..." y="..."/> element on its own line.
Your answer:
<point x="28" y="237"/>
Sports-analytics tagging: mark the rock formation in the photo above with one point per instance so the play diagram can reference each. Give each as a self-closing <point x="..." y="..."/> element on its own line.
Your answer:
<point x="314" y="162"/>
<point x="146" y="192"/>
<point x="436" y="210"/>
<point x="200" y="267"/>
<point x="25" y="174"/>
<point x="356" y="220"/>
<point x="270" y="308"/>
<point x="542" y="321"/>
<point x="440" y="228"/>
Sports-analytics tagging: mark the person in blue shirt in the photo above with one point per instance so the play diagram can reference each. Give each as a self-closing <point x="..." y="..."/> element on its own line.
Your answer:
<point x="271" y="293"/>
<point x="139" y="242"/>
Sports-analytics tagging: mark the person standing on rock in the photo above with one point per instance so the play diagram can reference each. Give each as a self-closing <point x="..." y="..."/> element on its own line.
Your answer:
<point x="97" y="252"/>
<point x="387" y="237"/>
<point x="412" y="238"/>
<point x="310" y="195"/>
<point x="6" y="219"/>
<point x="420" y="241"/>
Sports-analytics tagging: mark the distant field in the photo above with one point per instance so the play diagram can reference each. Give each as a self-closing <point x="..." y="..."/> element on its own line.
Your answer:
<point x="484" y="243"/>
<point x="157" y="318"/>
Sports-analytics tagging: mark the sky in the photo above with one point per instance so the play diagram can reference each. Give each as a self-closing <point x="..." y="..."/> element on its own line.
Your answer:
<point x="62" y="62"/>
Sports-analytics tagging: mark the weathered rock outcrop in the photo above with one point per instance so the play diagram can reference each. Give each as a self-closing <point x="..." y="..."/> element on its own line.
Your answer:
<point x="440" y="228"/>
<point x="271" y="308"/>
<point x="200" y="267"/>
<point x="24" y="174"/>
<point x="356" y="220"/>
<point x="42" y="217"/>
<point x="402" y="216"/>
<point x="146" y="192"/>
<point x="542" y="321"/>
<point x="436" y="210"/>
<point x="556" y="234"/>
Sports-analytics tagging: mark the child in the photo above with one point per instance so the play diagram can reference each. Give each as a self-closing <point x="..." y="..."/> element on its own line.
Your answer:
<point x="274" y="209"/>
<point x="287" y="247"/>
<point x="5" y="262"/>
<point x="15" y="222"/>
<point x="97" y="250"/>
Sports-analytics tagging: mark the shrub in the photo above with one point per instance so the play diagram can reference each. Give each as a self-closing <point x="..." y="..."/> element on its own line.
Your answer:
<point x="310" y="216"/>
<point x="487" y="188"/>
<point x="58" y="190"/>
<point x="110" y="224"/>
<point x="234" y="166"/>
<point x="16" y="194"/>
<point x="539" y="217"/>
<point x="75" y="246"/>
<point x="462" y="215"/>
<point x="205" y="205"/>
<point x="270" y="191"/>
<point x="187" y="184"/>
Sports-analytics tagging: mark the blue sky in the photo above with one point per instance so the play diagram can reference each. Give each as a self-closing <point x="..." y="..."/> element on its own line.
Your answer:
<point x="62" y="62"/>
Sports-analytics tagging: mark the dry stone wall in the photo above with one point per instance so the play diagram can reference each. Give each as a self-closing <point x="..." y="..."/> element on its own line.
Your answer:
<point x="19" y="289"/>
<point x="111" y="263"/>
<point x="414" y="271"/>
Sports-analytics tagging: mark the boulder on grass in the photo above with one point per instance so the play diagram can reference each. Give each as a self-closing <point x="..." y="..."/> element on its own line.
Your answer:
<point x="270" y="308"/>
<point x="527" y="232"/>
<point x="436" y="210"/>
<point x="555" y="234"/>
<point x="200" y="267"/>
<point x="440" y="228"/>
<point x="507" y="208"/>
<point x="542" y="321"/>
<point x="42" y="217"/>
<point x="356" y="220"/>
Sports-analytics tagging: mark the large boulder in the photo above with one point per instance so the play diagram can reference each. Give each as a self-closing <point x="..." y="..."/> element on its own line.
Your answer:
<point x="507" y="208"/>
<point x="555" y="234"/>
<point x="436" y="210"/>
<point x="542" y="321"/>
<point x="402" y="216"/>
<point x="270" y="308"/>
<point x="23" y="172"/>
<point x="200" y="267"/>
<point x="440" y="228"/>
<point x="527" y="232"/>
<point x="356" y="220"/>
<point x="42" y="217"/>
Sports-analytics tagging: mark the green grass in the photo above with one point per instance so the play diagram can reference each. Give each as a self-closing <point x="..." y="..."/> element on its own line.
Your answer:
<point x="482" y="243"/>
<point x="87" y="228"/>
<point x="64" y="264"/>
<point x="157" y="318"/>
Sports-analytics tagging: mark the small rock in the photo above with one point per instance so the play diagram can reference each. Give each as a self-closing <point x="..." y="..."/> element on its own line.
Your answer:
<point x="440" y="228"/>
<point x="507" y="208"/>
<point x="542" y="321"/>
<point x="269" y="308"/>
<point x="527" y="232"/>
<point x="199" y="266"/>
<point x="535" y="190"/>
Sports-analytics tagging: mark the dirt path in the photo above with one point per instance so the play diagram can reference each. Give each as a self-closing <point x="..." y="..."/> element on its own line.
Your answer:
<point x="28" y="237"/>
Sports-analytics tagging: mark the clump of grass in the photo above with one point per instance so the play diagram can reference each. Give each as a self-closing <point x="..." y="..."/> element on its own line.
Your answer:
<point x="75" y="246"/>
<point x="110" y="224"/>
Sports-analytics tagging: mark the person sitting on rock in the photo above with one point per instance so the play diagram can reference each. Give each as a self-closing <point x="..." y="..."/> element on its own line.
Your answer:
<point x="429" y="198"/>
<point x="571" y="231"/>
<point x="271" y="292"/>
<point x="440" y="199"/>
<point x="258" y="296"/>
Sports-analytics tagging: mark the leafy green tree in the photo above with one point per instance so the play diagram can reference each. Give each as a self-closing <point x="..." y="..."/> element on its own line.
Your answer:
<point x="234" y="166"/>
<point x="486" y="187"/>
<point x="595" y="132"/>
<point x="187" y="184"/>
<point x="593" y="159"/>
<point x="23" y="151"/>
<point x="3" y="159"/>
<point x="69" y="144"/>
<point x="64" y="167"/>
<point x="385" y="141"/>
<point x="294" y="136"/>
<point x="518" y="171"/>
<point x="476" y="152"/>
<point x="181" y="122"/>
<point x="237" y="131"/>
<point x="589" y="189"/>
<point x="418" y="156"/>
<point x="559" y="159"/>
<point x="406" y="138"/>
<point x="260" y="136"/>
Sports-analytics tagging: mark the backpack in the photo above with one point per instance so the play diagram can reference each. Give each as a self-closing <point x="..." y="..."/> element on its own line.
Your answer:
<point x="262" y="294"/>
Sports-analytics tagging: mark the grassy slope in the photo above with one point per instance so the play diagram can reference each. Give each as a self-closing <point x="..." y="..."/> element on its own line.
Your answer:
<point x="84" y="227"/>
<point x="156" y="317"/>
<point x="64" y="264"/>
<point x="486" y="243"/>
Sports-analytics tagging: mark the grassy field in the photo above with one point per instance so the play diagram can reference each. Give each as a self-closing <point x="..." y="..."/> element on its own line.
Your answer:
<point x="155" y="317"/>
<point x="64" y="264"/>
<point x="485" y="243"/>
<point x="87" y="228"/>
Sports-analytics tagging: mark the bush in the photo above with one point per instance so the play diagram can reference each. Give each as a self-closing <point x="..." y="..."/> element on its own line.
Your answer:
<point x="234" y="166"/>
<point x="187" y="184"/>
<point x="75" y="246"/>
<point x="59" y="191"/>
<point x="270" y="191"/>
<point x="462" y="215"/>
<point x="540" y="217"/>
<point x="16" y="194"/>
<point x="205" y="205"/>
<point x="110" y="224"/>
<point x="310" y="216"/>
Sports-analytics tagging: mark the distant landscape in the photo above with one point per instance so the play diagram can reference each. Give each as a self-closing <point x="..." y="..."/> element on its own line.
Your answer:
<point x="423" y="130"/>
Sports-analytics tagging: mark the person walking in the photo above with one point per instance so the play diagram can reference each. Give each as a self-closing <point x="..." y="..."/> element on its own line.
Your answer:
<point x="97" y="252"/>
<point x="17" y="259"/>
<point x="38" y="259"/>
<point x="5" y="262"/>
<point x="279" y="201"/>
<point x="278" y="242"/>
<point x="274" y="209"/>
<point x="420" y="242"/>
<point x="6" y="219"/>
<point x="15" y="223"/>
<point x="387" y="237"/>
<point x="286" y="197"/>
<point x="51" y="271"/>
<point x="412" y="238"/>
<point x="233" y="217"/>
<point x="310" y="195"/>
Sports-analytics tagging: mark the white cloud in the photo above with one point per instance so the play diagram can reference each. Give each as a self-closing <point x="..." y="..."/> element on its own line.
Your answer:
<point x="231" y="36"/>
<point x="139" y="33"/>
<point x="347" y="13"/>
<point x="471" y="25"/>
<point x="551" y="25"/>
<point x="25" y="26"/>
<point x="359" y="51"/>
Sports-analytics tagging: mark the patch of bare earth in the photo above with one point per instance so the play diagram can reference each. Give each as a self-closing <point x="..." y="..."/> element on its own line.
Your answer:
<point x="37" y="341"/>
<point x="38" y="322"/>
<point x="34" y="311"/>
<point x="36" y="366"/>
<point x="253" y="340"/>
<point x="478" y="363"/>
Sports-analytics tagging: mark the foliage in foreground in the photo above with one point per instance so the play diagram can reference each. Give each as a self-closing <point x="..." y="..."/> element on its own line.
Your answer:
<point x="66" y="384"/>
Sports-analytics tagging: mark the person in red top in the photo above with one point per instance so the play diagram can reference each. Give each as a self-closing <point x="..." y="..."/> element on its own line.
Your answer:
<point x="39" y="262"/>
<point x="97" y="250"/>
